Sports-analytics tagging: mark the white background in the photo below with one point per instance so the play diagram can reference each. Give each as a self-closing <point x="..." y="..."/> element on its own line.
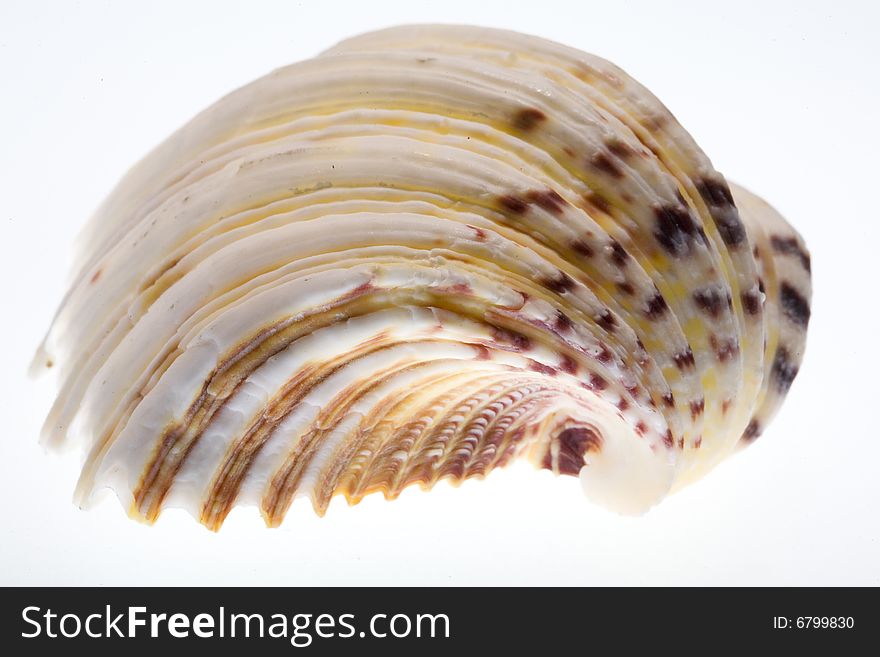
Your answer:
<point x="783" y="97"/>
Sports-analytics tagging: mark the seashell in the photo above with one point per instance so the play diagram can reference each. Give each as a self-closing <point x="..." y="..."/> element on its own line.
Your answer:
<point x="426" y="253"/>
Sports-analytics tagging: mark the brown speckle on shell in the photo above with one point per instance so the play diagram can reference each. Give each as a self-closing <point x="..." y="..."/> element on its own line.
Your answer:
<point x="784" y="370"/>
<point x="793" y="304"/>
<point x="685" y="359"/>
<point x="712" y="300"/>
<point x="676" y="231"/>
<point x="619" y="148"/>
<point x="751" y="301"/>
<point x="791" y="246"/>
<point x="583" y="248"/>
<point x="618" y="254"/>
<point x="559" y="283"/>
<point x="715" y="192"/>
<point x="512" y="203"/>
<point x="541" y="368"/>
<point x="567" y="364"/>
<point x="606" y="320"/>
<point x="606" y="163"/>
<point x="724" y="349"/>
<point x="562" y="322"/>
<point x="752" y="431"/>
<point x="528" y="118"/>
<point x="597" y="382"/>
<point x="514" y="339"/>
<point x="598" y="201"/>
<point x="656" y="306"/>
<point x="547" y="199"/>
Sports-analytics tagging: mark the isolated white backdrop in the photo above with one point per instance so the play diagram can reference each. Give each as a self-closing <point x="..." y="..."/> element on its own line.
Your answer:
<point x="783" y="96"/>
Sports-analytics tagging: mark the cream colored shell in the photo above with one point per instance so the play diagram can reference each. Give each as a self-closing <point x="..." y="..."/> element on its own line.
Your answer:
<point x="421" y="255"/>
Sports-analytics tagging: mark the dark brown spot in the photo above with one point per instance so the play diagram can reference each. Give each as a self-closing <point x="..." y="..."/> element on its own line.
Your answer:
<point x="711" y="300"/>
<point x="583" y="248"/>
<point x="685" y="359"/>
<point x="697" y="408"/>
<point x="668" y="400"/>
<point x="560" y="283"/>
<point x="656" y="306"/>
<point x="715" y="192"/>
<point x="512" y="204"/>
<point x="597" y="382"/>
<point x="604" y="163"/>
<point x="790" y="246"/>
<point x="620" y="148"/>
<point x="675" y="230"/>
<point x="623" y="404"/>
<point x="518" y="341"/>
<point x="717" y="196"/>
<point x="598" y="201"/>
<point x="794" y="305"/>
<point x="567" y="364"/>
<point x="618" y="254"/>
<point x="641" y="428"/>
<point x="574" y="443"/>
<point x="730" y="227"/>
<point x="607" y="321"/>
<point x="528" y="119"/>
<point x="753" y="430"/>
<point x="751" y="301"/>
<point x="725" y="406"/>
<point x="724" y="349"/>
<point x="668" y="440"/>
<point x="604" y="355"/>
<point x="548" y="200"/>
<point x="96" y="276"/>
<point x="541" y="368"/>
<point x="783" y="371"/>
<point x="562" y="323"/>
<point x="698" y="442"/>
<point x="626" y="288"/>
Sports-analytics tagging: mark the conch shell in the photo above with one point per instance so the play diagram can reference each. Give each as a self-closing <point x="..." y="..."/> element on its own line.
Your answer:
<point x="421" y="255"/>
